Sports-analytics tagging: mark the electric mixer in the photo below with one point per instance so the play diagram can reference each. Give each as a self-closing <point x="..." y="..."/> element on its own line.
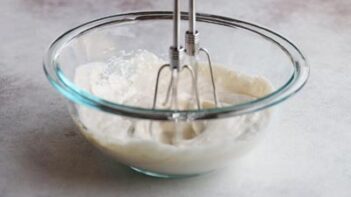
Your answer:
<point x="176" y="65"/>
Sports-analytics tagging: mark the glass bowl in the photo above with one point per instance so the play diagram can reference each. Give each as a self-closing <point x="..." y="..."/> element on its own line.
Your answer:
<point x="248" y="49"/>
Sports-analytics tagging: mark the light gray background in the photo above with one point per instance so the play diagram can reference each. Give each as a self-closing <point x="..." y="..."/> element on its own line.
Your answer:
<point x="307" y="154"/>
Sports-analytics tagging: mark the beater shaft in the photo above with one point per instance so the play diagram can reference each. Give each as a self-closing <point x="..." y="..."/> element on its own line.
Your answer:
<point x="176" y="25"/>
<point x="192" y="16"/>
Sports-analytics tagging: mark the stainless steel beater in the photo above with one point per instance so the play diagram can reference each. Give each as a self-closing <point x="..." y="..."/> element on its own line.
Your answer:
<point x="192" y="47"/>
<point x="176" y="65"/>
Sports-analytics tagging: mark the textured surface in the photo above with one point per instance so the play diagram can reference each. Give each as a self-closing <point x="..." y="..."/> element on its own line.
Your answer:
<point x="308" y="154"/>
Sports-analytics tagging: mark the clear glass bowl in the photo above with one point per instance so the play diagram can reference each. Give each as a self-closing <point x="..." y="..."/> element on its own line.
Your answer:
<point x="237" y="45"/>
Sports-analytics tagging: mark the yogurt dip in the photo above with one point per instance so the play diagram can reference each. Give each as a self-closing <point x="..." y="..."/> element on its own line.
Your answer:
<point x="166" y="147"/>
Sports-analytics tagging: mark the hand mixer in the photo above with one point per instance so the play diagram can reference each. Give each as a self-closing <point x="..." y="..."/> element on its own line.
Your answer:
<point x="176" y="66"/>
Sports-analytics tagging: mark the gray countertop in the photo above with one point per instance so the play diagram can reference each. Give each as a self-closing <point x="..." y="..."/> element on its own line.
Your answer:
<point x="307" y="154"/>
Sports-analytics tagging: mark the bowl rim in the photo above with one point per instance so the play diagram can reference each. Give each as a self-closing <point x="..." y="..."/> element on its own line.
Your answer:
<point x="72" y="92"/>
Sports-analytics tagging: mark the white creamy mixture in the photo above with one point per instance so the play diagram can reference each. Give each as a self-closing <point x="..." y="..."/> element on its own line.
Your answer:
<point x="182" y="148"/>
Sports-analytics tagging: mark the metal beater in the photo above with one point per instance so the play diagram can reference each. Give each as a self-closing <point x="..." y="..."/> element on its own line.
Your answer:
<point x="176" y="51"/>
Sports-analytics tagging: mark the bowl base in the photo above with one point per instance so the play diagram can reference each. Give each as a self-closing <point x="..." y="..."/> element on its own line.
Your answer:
<point x="164" y="176"/>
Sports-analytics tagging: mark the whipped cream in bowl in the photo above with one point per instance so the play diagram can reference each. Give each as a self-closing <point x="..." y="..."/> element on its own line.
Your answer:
<point x="107" y="69"/>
